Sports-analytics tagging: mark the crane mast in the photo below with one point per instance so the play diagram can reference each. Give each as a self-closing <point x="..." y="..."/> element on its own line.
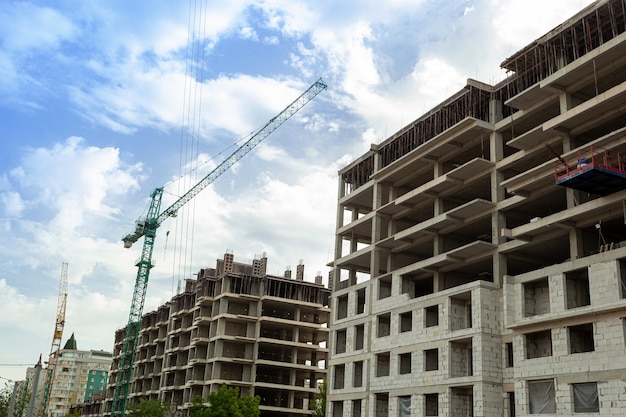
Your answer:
<point x="56" y="339"/>
<point x="148" y="226"/>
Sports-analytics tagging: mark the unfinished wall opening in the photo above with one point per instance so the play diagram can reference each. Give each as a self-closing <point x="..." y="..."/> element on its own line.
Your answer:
<point x="539" y="344"/>
<point x="417" y="287"/>
<point x="238" y="307"/>
<point x="230" y="372"/>
<point x="508" y="347"/>
<point x="360" y="301"/>
<point x="275" y="353"/>
<point x="357" y="377"/>
<point x="431" y="359"/>
<point x="406" y="322"/>
<point x="536" y="297"/>
<point x="541" y="397"/>
<point x="461" y="358"/>
<point x="431" y="316"/>
<point x="577" y="288"/>
<point x="382" y="404"/>
<point x="404" y="406"/>
<point x="356" y="408"/>
<point x="461" y="311"/>
<point x="234" y="350"/>
<point x="359" y="336"/>
<point x="272" y="397"/>
<point x="340" y="376"/>
<point x="273" y="374"/>
<point x="585" y="397"/>
<point x="340" y="341"/>
<point x="622" y="278"/>
<point x="383" y="364"/>
<point x="384" y="287"/>
<point x="461" y="401"/>
<point x="233" y="328"/>
<point x="274" y="332"/>
<point x="431" y="405"/>
<point x="342" y="307"/>
<point x="510" y="404"/>
<point x="384" y="325"/>
<point x="404" y="363"/>
<point x="581" y="338"/>
<point x="337" y="408"/>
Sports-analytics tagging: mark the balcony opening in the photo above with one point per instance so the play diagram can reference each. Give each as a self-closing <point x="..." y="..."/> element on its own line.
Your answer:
<point x="342" y="307"/>
<point x="509" y="354"/>
<point x="417" y="287"/>
<point x="461" y="358"/>
<point x="539" y="344"/>
<point x="462" y="401"/>
<point x="461" y="311"/>
<point x="406" y="322"/>
<point x="382" y="364"/>
<point x="536" y="297"/>
<point x="404" y="363"/>
<point x="541" y="398"/>
<point x="356" y="408"/>
<point x="340" y="341"/>
<point x="384" y="325"/>
<point x="340" y="375"/>
<point x="384" y="287"/>
<point x="431" y="360"/>
<point x="357" y="378"/>
<point x="431" y="316"/>
<point x="577" y="288"/>
<point x="382" y="404"/>
<point x="360" y="301"/>
<point x="359" y="336"/>
<point x="431" y="405"/>
<point x="581" y="338"/>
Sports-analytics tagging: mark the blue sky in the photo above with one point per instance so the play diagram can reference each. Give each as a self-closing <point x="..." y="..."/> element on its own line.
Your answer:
<point x="97" y="100"/>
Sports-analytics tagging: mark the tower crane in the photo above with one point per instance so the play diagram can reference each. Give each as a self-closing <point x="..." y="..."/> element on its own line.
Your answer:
<point x="147" y="228"/>
<point x="56" y="339"/>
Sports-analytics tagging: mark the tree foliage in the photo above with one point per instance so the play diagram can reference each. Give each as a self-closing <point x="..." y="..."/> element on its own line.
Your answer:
<point x="318" y="405"/>
<point x="226" y="403"/>
<point x="22" y="399"/>
<point x="5" y="399"/>
<point x="147" y="408"/>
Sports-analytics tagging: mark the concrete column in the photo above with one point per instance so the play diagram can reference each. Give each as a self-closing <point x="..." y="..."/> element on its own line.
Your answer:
<point x="498" y="219"/>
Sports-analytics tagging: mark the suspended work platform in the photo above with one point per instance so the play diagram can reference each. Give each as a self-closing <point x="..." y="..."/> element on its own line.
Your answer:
<point x="593" y="170"/>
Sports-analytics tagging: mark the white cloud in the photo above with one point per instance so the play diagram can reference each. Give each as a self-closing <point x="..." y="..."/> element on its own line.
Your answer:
<point x="73" y="180"/>
<point x="12" y="203"/>
<point x="26" y="26"/>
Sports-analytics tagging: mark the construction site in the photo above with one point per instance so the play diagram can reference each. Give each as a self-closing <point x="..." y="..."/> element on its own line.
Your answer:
<point x="480" y="252"/>
<point x="479" y="267"/>
<point x="235" y="325"/>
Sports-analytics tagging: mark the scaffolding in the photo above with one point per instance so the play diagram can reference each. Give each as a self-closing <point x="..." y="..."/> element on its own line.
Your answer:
<point x="588" y="30"/>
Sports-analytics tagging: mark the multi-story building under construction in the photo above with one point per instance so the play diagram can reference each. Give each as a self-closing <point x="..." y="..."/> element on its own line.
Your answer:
<point x="235" y="325"/>
<point x="480" y="265"/>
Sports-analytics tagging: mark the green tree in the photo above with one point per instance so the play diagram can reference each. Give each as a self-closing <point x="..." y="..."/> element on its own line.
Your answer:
<point x="76" y="413"/>
<point x="318" y="405"/>
<point x="226" y="403"/>
<point x="147" y="408"/>
<point x="5" y="399"/>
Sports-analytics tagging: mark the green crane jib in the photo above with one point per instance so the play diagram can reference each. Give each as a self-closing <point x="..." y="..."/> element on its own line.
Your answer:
<point x="147" y="228"/>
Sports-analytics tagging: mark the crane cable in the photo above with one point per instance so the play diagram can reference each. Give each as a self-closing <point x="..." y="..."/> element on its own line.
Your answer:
<point x="190" y="134"/>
